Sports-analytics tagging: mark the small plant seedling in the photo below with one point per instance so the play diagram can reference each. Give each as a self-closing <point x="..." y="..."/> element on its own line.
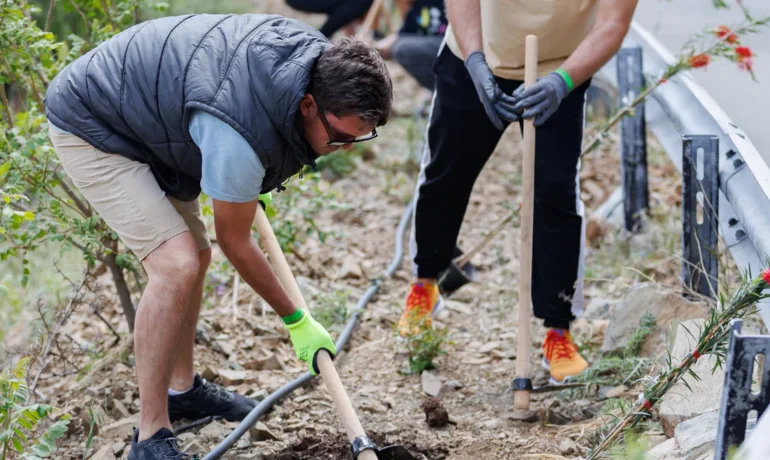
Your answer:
<point x="331" y="310"/>
<point x="424" y="345"/>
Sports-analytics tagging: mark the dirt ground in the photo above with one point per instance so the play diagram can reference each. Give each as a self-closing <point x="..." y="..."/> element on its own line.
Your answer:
<point x="247" y="348"/>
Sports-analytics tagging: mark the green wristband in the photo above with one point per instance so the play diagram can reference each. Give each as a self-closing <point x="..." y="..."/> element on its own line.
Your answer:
<point x="293" y="318"/>
<point x="567" y="79"/>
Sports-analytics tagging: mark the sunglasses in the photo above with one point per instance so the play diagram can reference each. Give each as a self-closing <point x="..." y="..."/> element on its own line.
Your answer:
<point x="344" y="139"/>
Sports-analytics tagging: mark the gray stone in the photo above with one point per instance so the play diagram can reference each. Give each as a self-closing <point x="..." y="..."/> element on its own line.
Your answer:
<point x="120" y="408"/>
<point x="568" y="447"/>
<point x="194" y="448"/>
<point x="599" y="308"/>
<point x="491" y="424"/>
<point x="209" y="374"/>
<point x="697" y="436"/>
<point x="489" y="346"/>
<point x="260" y="432"/>
<point x="214" y="430"/>
<point x="306" y="287"/>
<point x="693" y="440"/>
<point x="184" y="437"/>
<point x="612" y="392"/>
<point x="664" y="451"/>
<point x="118" y="448"/>
<point x="704" y="395"/>
<point x="226" y="347"/>
<point x="122" y="429"/>
<point x="351" y="269"/>
<point x="105" y="453"/>
<point x="268" y="363"/>
<point x="668" y="308"/>
<point x="229" y="377"/>
<point x="431" y="383"/>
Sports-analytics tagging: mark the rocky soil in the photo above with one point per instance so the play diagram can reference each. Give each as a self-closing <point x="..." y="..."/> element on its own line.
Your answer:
<point x="245" y="347"/>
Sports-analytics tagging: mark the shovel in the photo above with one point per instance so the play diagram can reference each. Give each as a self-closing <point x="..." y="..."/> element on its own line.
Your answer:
<point x="522" y="384"/>
<point x="461" y="271"/>
<point x="362" y="447"/>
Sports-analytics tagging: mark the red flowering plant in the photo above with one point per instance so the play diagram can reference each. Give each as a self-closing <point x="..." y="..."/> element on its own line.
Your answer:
<point x="712" y="339"/>
<point x="699" y="52"/>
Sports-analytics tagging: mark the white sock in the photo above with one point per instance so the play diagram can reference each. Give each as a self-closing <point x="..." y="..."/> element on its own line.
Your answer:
<point x="172" y="392"/>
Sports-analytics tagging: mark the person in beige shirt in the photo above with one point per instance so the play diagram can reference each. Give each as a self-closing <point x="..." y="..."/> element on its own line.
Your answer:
<point x="479" y="72"/>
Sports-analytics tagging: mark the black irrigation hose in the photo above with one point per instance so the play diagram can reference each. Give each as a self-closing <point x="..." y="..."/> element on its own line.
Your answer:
<point x="287" y="389"/>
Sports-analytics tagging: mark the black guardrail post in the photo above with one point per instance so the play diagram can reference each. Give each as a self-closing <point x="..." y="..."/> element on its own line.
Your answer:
<point x="737" y="398"/>
<point x="700" y="214"/>
<point x="633" y="138"/>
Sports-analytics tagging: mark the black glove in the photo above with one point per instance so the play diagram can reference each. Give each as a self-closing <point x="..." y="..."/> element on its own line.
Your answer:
<point x="499" y="106"/>
<point x="542" y="99"/>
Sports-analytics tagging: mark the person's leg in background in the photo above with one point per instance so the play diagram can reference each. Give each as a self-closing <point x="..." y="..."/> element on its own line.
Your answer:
<point x="460" y="140"/>
<point x="559" y="233"/>
<point x="340" y="12"/>
<point x="417" y="54"/>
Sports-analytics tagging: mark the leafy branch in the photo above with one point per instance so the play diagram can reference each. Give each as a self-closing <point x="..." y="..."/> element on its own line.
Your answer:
<point x="713" y="340"/>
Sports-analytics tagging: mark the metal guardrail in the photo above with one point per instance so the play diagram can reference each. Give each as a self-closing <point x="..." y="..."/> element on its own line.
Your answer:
<point x="681" y="107"/>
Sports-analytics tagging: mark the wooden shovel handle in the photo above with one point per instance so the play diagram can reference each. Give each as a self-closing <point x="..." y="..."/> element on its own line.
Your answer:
<point x="521" y="397"/>
<point x="323" y="359"/>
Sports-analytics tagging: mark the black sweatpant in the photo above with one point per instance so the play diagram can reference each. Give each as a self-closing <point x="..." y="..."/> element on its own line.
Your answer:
<point x="340" y="12"/>
<point x="460" y="141"/>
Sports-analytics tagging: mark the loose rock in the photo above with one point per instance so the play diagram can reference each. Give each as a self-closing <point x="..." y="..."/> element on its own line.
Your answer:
<point x="260" y="432"/>
<point x="122" y="429"/>
<point x="612" y="392"/>
<point x="228" y="377"/>
<point x="431" y="383"/>
<point x="704" y="395"/>
<point x="209" y="374"/>
<point x="214" y="430"/>
<point x="105" y="453"/>
<point x="667" y="308"/>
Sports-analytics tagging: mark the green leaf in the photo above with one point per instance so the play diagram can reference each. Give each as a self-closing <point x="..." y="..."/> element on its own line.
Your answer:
<point x="17" y="445"/>
<point x="25" y="423"/>
<point x="20" y="434"/>
<point x="4" y="168"/>
<point x="41" y="450"/>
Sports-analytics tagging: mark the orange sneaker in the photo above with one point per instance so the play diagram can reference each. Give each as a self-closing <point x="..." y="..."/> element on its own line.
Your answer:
<point x="561" y="357"/>
<point x="422" y="303"/>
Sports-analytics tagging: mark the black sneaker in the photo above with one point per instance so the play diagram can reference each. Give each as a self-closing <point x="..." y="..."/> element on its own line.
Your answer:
<point x="161" y="446"/>
<point x="206" y="399"/>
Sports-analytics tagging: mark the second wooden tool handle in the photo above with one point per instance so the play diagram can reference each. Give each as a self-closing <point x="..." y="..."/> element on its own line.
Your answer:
<point x="329" y="374"/>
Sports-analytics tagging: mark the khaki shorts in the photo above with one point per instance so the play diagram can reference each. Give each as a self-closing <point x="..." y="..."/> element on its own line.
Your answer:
<point x="127" y="196"/>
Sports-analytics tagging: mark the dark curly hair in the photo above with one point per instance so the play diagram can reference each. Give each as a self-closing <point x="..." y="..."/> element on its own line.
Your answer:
<point x="350" y="78"/>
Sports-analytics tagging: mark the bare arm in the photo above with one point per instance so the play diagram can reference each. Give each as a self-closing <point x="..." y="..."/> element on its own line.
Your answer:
<point x="233" y="226"/>
<point x="465" y="18"/>
<point x="613" y="19"/>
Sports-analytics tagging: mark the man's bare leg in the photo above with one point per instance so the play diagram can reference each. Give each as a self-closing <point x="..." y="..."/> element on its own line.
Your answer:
<point x="182" y="377"/>
<point x="172" y="270"/>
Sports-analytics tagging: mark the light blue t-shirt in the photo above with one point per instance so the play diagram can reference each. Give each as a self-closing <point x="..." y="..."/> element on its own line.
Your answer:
<point x="231" y="171"/>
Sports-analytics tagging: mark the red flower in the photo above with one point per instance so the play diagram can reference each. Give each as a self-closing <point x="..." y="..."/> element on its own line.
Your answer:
<point x="766" y="276"/>
<point x="726" y="34"/>
<point x="700" y="60"/>
<point x="743" y="52"/>
<point x="746" y="64"/>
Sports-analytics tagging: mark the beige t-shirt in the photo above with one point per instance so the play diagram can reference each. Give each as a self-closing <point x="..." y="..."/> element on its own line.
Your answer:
<point x="560" y="26"/>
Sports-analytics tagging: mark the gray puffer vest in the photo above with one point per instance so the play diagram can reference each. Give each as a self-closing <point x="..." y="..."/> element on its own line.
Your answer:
<point x="134" y="94"/>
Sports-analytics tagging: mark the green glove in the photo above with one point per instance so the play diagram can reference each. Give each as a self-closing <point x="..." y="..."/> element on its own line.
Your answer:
<point x="308" y="336"/>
